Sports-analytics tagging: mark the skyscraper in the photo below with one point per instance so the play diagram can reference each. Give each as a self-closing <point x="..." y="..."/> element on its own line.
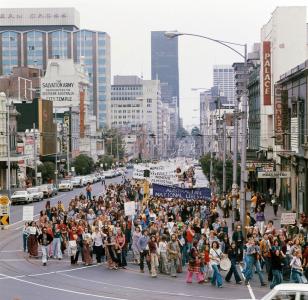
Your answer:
<point x="223" y="80"/>
<point x="31" y="36"/>
<point x="164" y="65"/>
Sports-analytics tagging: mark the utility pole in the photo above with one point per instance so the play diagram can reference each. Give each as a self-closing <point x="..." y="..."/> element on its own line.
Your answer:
<point x="243" y="150"/>
<point x="35" y="154"/>
<point x="235" y="151"/>
<point x="224" y="183"/>
<point x="8" y="181"/>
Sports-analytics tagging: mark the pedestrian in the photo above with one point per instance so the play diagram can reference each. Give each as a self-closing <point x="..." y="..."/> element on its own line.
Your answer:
<point x="194" y="264"/>
<point x="73" y="249"/>
<point x="144" y="251"/>
<point x="44" y="239"/>
<point x="135" y="238"/>
<point x="87" y="247"/>
<point x="89" y="191"/>
<point x="276" y="266"/>
<point x="32" y="239"/>
<point x="163" y="259"/>
<point x="174" y="252"/>
<point x="56" y="244"/>
<point x="275" y="204"/>
<point x="260" y="218"/>
<point x="121" y="248"/>
<point x="238" y="238"/>
<point x="25" y="235"/>
<point x="98" y="242"/>
<point x="265" y="247"/>
<point x="233" y="256"/>
<point x="153" y="255"/>
<point x="296" y="268"/>
<point x="215" y="257"/>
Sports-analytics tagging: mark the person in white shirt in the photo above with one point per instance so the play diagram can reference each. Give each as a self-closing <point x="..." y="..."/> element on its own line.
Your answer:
<point x="98" y="240"/>
<point x="162" y="250"/>
<point x="215" y="257"/>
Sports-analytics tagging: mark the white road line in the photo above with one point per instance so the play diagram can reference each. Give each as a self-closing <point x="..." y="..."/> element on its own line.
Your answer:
<point x="252" y="295"/>
<point x="48" y="273"/>
<point x="8" y="251"/>
<point x="63" y="290"/>
<point x="144" y="290"/>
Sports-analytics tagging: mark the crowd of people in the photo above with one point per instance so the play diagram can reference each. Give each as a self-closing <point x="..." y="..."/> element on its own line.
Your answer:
<point x="169" y="236"/>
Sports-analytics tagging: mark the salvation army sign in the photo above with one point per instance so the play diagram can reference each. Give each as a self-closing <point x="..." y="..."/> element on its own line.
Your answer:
<point x="58" y="90"/>
<point x="177" y="192"/>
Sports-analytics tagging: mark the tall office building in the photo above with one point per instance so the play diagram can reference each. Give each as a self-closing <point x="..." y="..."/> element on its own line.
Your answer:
<point x="164" y="65"/>
<point x="223" y="80"/>
<point x="31" y="36"/>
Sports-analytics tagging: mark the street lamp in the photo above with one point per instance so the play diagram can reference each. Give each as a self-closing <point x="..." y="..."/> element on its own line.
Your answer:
<point x="173" y="34"/>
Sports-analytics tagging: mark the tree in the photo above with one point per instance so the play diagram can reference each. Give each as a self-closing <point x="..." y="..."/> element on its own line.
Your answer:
<point x="83" y="164"/>
<point x="182" y="132"/>
<point x="48" y="171"/>
<point x="114" y="143"/>
<point x="106" y="161"/>
<point x="195" y="131"/>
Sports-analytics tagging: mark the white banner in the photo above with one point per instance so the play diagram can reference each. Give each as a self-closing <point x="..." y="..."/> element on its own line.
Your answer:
<point x="274" y="174"/>
<point x="288" y="218"/>
<point x="27" y="213"/>
<point x="129" y="208"/>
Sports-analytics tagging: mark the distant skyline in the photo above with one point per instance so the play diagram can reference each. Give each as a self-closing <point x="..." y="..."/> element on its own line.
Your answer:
<point x="130" y="22"/>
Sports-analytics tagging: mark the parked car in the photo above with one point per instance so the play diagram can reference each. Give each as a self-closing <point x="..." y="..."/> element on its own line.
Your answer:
<point x="36" y="193"/>
<point x="54" y="189"/>
<point x="77" y="181"/>
<point x="296" y="291"/>
<point x="21" y="197"/>
<point x="109" y="174"/>
<point x="88" y="179"/>
<point x="47" y="190"/>
<point x="65" y="185"/>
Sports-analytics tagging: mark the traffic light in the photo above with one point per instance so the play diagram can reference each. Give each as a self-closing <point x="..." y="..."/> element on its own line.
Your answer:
<point x="146" y="173"/>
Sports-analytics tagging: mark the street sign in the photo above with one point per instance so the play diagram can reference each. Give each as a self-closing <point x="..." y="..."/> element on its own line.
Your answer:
<point x="4" y="200"/>
<point x="38" y="174"/>
<point x="274" y="174"/>
<point x="4" y="210"/>
<point x="27" y="213"/>
<point x="288" y="218"/>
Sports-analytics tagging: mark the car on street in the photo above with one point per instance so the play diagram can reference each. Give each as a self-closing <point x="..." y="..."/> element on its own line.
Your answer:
<point x="88" y="179"/>
<point x="21" y="197"/>
<point x="294" y="291"/>
<point x="109" y="174"/>
<point x="47" y="190"/>
<point x="77" y="181"/>
<point x="36" y="193"/>
<point x="54" y="189"/>
<point x="65" y="185"/>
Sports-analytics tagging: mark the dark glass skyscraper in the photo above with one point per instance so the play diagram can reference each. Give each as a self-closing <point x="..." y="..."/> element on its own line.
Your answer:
<point x="164" y="64"/>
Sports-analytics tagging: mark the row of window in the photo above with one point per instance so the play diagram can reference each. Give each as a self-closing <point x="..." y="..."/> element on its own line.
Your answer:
<point x="124" y="111"/>
<point x="125" y="105"/>
<point x="126" y="117"/>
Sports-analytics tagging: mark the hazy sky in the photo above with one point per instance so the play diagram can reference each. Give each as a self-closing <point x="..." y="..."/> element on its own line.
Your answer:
<point x="129" y="23"/>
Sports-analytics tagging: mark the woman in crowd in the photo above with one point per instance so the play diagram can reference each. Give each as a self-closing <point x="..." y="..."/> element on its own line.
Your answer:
<point x="135" y="238"/>
<point x="233" y="256"/>
<point x="194" y="264"/>
<point x="215" y="257"/>
<point x="33" y="232"/>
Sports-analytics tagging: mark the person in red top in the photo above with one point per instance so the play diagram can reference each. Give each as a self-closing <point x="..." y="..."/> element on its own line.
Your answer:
<point x="120" y="248"/>
<point x="190" y="233"/>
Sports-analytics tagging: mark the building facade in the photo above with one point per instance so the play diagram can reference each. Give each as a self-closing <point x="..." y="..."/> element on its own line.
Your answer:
<point x="223" y="80"/>
<point x="165" y="65"/>
<point x="44" y="34"/>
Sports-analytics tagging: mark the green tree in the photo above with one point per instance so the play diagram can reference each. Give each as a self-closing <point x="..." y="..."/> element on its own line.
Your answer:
<point x="182" y="132"/>
<point x="195" y="131"/>
<point x="114" y="143"/>
<point x="83" y="164"/>
<point x="107" y="161"/>
<point x="48" y="171"/>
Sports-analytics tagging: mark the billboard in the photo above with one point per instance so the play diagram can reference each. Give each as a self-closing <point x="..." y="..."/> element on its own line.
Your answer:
<point x="278" y="116"/>
<point x="267" y="76"/>
<point x="61" y="90"/>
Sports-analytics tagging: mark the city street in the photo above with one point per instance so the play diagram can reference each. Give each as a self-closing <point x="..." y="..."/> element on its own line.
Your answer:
<point x="26" y="279"/>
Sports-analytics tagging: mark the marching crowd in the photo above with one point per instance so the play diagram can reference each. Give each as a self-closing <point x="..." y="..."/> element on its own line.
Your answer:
<point x="169" y="236"/>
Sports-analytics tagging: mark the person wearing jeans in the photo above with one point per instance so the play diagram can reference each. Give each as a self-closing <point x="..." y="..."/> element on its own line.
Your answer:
<point x="25" y="235"/>
<point x="142" y="246"/>
<point x="215" y="256"/>
<point x="44" y="240"/>
<point x="276" y="261"/>
<point x="56" y="244"/>
<point x="233" y="256"/>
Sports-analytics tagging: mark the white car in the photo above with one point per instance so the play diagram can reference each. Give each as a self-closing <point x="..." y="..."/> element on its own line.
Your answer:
<point x="36" y="193"/>
<point x="21" y="197"/>
<point x="65" y="185"/>
<point x="77" y="181"/>
<point x="109" y="174"/>
<point x="288" y="291"/>
<point x="88" y="179"/>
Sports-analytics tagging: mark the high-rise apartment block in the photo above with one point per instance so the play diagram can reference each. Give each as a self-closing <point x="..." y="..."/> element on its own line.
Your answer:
<point x="223" y="80"/>
<point x="31" y="36"/>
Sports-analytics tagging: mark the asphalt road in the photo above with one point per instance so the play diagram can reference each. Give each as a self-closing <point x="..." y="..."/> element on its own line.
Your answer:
<point x="26" y="279"/>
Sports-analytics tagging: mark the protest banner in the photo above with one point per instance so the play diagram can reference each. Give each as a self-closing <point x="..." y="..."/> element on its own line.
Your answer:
<point x="182" y="193"/>
<point x="129" y="208"/>
<point x="288" y="218"/>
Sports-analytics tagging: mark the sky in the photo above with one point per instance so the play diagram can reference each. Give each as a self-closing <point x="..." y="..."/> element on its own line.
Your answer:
<point x="130" y="22"/>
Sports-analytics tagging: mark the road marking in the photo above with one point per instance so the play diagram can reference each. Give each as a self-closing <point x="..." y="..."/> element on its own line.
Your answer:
<point x="63" y="290"/>
<point x="143" y="290"/>
<point x="48" y="273"/>
<point x="252" y="295"/>
<point x="8" y="251"/>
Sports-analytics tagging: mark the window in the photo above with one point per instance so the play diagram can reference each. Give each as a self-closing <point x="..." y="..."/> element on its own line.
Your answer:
<point x="285" y="295"/>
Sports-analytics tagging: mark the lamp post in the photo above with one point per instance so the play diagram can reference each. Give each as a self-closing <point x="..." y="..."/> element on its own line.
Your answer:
<point x="230" y="45"/>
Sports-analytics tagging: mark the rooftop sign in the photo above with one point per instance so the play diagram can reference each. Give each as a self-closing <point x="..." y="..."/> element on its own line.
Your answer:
<point x="39" y="16"/>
